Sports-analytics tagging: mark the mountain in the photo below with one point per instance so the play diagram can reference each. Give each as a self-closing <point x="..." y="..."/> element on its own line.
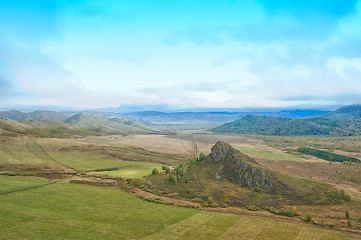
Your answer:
<point x="110" y="125"/>
<point x="156" y="117"/>
<point x="344" y="121"/>
<point x="32" y="116"/>
<point x="250" y="124"/>
<point x="347" y="113"/>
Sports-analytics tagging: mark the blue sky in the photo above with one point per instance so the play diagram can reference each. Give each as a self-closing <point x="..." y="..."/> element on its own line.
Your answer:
<point x="212" y="53"/>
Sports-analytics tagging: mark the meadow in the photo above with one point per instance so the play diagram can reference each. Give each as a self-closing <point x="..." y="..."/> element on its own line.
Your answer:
<point x="70" y="211"/>
<point x="54" y="208"/>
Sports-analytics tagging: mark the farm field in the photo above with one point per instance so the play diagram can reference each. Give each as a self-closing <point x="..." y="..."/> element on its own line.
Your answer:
<point x="71" y="211"/>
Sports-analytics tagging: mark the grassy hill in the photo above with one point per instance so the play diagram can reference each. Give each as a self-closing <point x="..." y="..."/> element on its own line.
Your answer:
<point x="43" y="128"/>
<point x="33" y="116"/>
<point x="107" y="125"/>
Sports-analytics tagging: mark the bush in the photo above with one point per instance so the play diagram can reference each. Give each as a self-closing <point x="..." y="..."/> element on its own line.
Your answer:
<point x="349" y="224"/>
<point x="155" y="171"/>
<point x="308" y="218"/>
<point x="347" y="214"/>
<point x="166" y="169"/>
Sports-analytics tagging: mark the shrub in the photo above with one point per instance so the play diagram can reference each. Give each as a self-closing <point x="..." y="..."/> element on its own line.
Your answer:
<point x="201" y="157"/>
<point x="155" y="171"/>
<point x="347" y="214"/>
<point x="308" y="218"/>
<point x="166" y="169"/>
<point x="349" y="224"/>
<point x="347" y="198"/>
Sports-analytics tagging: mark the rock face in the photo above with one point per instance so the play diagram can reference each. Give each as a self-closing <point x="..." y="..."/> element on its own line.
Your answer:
<point x="243" y="168"/>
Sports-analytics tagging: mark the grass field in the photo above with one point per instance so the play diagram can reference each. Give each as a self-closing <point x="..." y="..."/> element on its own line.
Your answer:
<point x="267" y="154"/>
<point x="24" y="151"/>
<point x="70" y="211"/>
<point x="16" y="183"/>
<point x="85" y="161"/>
<point x="132" y="171"/>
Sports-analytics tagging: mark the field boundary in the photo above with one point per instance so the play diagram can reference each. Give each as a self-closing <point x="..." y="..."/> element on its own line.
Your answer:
<point x="52" y="157"/>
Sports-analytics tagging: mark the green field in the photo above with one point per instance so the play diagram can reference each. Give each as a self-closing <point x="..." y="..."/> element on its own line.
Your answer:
<point x="132" y="171"/>
<point x="70" y="211"/>
<point x="9" y="184"/>
<point x="268" y="154"/>
<point x="87" y="161"/>
<point x="23" y="152"/>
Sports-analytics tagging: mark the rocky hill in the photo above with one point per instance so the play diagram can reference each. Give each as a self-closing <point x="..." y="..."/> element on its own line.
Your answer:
<point x="229" y="177"/>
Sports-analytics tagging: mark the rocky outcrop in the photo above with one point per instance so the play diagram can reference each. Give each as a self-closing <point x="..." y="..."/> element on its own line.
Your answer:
<point x="243" y="168"/>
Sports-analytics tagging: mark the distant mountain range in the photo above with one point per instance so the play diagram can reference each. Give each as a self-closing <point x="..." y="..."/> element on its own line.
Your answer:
<point x="155" y="117"/>
<point x="344" y="121"/>
<point x="341" y="122"/>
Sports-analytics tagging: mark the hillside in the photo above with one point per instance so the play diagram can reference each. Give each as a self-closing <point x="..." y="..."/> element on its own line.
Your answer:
<point x="107" y="126"/>
<point x="345" y="121"/>
<point x="250" y="124"/>
<point x="229" y="177"/>
<point x="32" y="116"/>
<point x="347" y="113"/>
<point x="43" y="128"/>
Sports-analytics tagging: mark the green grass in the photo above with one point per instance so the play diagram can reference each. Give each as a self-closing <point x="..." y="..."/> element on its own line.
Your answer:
<point x="268" y="154"/>
<point x="16" y="183"/>
<point x="87" y="161"/>
<point x="131" y="171"/>
<point x="23" y="152"/>
<point x="70" y="211"/>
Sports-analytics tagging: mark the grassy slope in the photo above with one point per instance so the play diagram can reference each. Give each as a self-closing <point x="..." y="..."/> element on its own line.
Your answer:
<point x="131" y="171"/>
<point x="23" y="151"/>
<point x="85" y="161"/>
<point x="16" y="183"/>
<point x="69" y="211"/>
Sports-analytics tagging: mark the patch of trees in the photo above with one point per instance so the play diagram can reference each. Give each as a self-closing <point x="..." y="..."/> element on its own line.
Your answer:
<point x="328" y="156"/>
<point x="179" y="171"/>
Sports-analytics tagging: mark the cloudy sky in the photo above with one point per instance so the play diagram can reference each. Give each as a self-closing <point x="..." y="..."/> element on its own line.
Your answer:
<point x="191" y="53"/>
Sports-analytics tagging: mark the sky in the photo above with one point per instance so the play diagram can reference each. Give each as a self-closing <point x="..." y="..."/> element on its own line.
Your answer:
<point x="189" y="53"/>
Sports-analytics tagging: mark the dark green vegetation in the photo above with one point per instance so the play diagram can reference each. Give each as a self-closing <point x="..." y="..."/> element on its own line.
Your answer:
<point x="342" y="122"/>
<point x="228" y="177"/>
<point x="328" y="156"/>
